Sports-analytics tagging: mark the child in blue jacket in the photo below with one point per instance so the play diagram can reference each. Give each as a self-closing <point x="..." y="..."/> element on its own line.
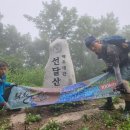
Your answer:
<point x="4" y="85"/>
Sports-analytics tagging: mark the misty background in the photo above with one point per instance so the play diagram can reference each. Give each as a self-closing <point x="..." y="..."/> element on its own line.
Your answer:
<point x="13" y="11"/>
<point x="28" y="27"/>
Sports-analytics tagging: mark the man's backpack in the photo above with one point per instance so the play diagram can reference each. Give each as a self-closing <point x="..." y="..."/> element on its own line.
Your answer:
<point x="115" y="39"/>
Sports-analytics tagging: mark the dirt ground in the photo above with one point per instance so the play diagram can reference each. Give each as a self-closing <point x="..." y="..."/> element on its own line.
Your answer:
<point x="69" y="116"/>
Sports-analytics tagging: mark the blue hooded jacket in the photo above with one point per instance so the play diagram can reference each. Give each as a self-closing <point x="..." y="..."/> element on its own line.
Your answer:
<point x="3" y="85"/>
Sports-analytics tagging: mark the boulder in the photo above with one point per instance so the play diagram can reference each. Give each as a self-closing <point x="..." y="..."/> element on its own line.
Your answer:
<point x="59" y="70"/>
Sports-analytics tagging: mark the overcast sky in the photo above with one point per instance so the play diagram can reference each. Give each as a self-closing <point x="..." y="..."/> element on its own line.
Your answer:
<point x="13" y="11"/>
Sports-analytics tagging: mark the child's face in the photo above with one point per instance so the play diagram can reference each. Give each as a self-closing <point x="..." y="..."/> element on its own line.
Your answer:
<point x="3" y="70"/>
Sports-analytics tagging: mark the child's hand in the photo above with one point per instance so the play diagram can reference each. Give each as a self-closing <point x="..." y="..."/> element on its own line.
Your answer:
<point x="6" y="106"/>
<point x="13" y="84"/>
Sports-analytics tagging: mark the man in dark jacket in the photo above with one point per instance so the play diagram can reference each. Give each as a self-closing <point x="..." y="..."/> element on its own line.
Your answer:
<point x="117" y="61"/>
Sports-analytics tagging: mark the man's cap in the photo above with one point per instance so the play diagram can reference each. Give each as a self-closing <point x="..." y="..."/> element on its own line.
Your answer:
<point x="89" y="40"/>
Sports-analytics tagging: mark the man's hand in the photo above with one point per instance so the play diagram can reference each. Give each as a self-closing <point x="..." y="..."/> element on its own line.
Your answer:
<point x="125" y="45"/>
<point x="121" y="87"/>
<point x="110" y="70"/>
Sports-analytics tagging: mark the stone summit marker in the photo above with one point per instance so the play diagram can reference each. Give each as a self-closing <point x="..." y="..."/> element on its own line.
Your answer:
<point x="59" y="70"/>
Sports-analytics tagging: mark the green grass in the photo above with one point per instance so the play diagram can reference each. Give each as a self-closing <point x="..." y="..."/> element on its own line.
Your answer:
<point x="52" y="125"/>
<point x="26" y="76"/>
<point x="32" y="118"/>
<point x="4" y="123"/>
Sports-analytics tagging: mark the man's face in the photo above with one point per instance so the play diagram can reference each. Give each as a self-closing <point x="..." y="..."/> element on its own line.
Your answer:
<point x="3" y="70"/>
<point x="96" y="47"/>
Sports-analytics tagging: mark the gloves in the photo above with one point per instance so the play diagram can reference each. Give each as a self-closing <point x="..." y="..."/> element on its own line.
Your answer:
<point x="104" y="71"/>
<point x="121" y="88"/>
<point x="108" y="70"/>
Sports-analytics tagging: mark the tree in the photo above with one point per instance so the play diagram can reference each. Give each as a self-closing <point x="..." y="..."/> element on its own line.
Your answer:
<point x="54" y="21"/>
<point x="37" y="53"/>
<point x="126" y="32"/>
<point x="1" y="33"/>
<point x="13" y="45"/>
<point x="108" y="24"/>
<point x="12" y="40"/>
<point x="87" y="26"/>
